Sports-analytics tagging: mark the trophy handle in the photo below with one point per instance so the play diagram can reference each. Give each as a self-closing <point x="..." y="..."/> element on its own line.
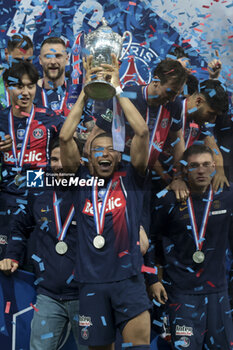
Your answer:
<point x="129" y="43"/>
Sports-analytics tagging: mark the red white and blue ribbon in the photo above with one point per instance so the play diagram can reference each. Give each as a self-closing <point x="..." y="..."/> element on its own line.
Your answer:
<point x="7" y="98"/>
<point x="19" y="163"/>
<point x="199" y="237"/>
<point x="157" y="121"/>
<point x="190" y="139"/>
<point x="99" y="216"/>
<point x="184" y="115"/>
<point x="61" y="230"/>
<point x="118" y="127"/>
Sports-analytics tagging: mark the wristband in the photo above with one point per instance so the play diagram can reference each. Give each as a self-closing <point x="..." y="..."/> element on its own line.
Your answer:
<point x="118" y="90"/>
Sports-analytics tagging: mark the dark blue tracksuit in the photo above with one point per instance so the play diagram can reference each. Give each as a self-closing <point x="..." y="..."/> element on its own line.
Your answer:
<point x="198" y="304"/>
<point x="53" y="271"/>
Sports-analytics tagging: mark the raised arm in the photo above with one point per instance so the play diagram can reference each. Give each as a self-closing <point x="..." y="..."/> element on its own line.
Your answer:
<point x="70" y="155"/>
<point x="140" y="142"/>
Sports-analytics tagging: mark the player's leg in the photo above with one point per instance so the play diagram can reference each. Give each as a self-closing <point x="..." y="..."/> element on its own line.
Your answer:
<point x="137" y="332"/>
<point x="130" y="303"/>
<point x="48" y="323"/>
<point x="187" y="318"/>
<point x="219" y="322"/>
<point x="72" y="307"/>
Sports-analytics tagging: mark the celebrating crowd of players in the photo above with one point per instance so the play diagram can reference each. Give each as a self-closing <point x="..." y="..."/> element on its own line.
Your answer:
<point x="157" y="214"/>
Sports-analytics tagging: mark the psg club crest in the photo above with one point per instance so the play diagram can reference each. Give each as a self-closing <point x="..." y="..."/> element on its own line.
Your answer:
<point x="85" y="333"/>
<point x="38" y="133"/>
<point x="136" y="66"/>
<point x="194" y="132"/>
<point x="164" y="123"/>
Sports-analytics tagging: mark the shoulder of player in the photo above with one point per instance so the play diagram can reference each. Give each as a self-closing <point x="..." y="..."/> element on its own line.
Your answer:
<point x="225" y="194"/>
<point x="4" y="113"/>
<point x="43" y="112"/>
<point x="135" y="93"/>
<point x="168" y="200"/>
<point x="176" y="105"/>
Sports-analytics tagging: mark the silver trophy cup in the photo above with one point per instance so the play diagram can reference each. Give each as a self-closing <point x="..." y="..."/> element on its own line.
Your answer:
<point x="100" y="44"/>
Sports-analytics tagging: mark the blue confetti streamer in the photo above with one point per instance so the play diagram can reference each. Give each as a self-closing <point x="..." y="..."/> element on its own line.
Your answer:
<point x="227" y="150"/>
<point x="157" y="323"/>
<point x="162" y="193"/>
<point x="175" y="142"/>
<point x="36" y="258"/>
<point x="126" y="345"/>
<point x="47" y="336"/>
<point x="156" y="303"/>
<point x="103" y="321"/>
<point x="126" y="157"/>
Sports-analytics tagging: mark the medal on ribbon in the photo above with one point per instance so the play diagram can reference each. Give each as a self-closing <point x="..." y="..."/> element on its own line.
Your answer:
<point x="191" y="138"/>
<point x="61" y="246"/>
<point x="19" y="162"/>
<point x="158" y="130"/>
<point x="198" y="255"/>
<point x="99" y="215"/>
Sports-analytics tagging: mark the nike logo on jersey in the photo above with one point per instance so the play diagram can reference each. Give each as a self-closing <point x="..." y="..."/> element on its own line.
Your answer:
<point x="183" y="208"/>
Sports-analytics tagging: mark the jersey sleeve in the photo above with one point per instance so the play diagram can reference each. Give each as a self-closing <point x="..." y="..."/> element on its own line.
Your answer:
<point x="22" y="227"/>
<point x="154" y="256"/>
<point x="104" y="115"/>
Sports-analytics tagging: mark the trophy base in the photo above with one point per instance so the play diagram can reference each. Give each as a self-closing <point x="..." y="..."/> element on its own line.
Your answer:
<point x="99" y="90"/>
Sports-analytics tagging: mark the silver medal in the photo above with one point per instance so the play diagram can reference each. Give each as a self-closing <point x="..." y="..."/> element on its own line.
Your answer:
<point x="61" y="247"/>
<point x="98" y="242"/>
<point x="198" y="257"/>
<point x="18" y="179"/>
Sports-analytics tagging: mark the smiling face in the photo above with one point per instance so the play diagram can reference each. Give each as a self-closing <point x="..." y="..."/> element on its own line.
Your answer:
<point x="22" y="95"/>
<point x="103" y="160"/>
<point x="199" y="169"/>
<point x="53" y="59"/>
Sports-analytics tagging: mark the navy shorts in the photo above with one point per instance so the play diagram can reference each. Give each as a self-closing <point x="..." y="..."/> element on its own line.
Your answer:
<point x="200" y="321"/>
<point x="104" y="307"/>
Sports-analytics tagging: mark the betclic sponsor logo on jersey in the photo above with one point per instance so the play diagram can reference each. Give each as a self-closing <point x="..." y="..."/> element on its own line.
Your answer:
<point x="112" y="204"/>
<point x="29" y="157"/>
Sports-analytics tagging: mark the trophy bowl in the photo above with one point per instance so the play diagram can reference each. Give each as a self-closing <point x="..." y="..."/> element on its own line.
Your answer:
<point x="100" y="44"/>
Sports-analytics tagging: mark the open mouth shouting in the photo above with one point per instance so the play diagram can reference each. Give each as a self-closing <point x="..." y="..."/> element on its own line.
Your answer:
<point x="105" y="164"/>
